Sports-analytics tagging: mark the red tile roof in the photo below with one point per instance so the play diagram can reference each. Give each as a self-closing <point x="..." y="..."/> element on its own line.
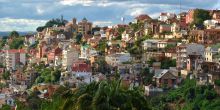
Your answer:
<point x="16" y="51"/>
<point x="81" y="67"/>
<point x="143" y="17"/>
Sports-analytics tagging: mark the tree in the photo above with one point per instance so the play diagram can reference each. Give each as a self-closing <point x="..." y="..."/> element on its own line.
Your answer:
<point x="78" y="38"/>
<point x="53" y="22"/>
<point x="104" y="95"/>
<point x="17" y="43"/>
<point x="200" y="15"/>
<point x="6" y="75"/>
<point x="5" y="107"/>
<point x="14" y="34"/>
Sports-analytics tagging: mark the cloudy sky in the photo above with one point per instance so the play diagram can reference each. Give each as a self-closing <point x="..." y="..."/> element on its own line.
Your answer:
<point x="26" y="15"/>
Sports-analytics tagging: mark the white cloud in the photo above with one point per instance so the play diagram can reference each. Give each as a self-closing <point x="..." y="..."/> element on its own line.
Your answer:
<point x="39" y="10"/>
<point x="102" y="23"/>
<point x="135" y="12"/>
<point x="77" y="2"/>
<point x="9" y="24"/>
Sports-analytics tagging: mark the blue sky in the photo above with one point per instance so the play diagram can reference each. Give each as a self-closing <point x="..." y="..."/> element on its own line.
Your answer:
<point x="26" y="15"/>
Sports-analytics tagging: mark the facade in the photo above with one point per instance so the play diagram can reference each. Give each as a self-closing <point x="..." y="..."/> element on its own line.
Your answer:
<point x="184" y="50"/>
<point x="82" y="71"/>
<point x="210" y="24"/>
<point x="165" y="28"/>
<point x="69" y="55"/>
<point x="210" y="53"/>
<point x="165" y="16"/>
<point x="84" y="26"/>
<point x="164" y="78"/>
<point x="14" y="58"/>
<point x="190" y="16"/>
<point x="117" y="58"/>
<point x="142" y="18"/>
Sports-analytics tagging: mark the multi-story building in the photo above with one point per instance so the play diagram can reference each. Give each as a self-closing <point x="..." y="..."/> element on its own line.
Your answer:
<point x="190" y="16"/>
<point x="210" y="53"/>
<point x="117" y="58"/>
<point x="184" y="50"/>
<point x="84" y="26"/>
<point x="69" y="55"/>
<point x="14" y="58"/>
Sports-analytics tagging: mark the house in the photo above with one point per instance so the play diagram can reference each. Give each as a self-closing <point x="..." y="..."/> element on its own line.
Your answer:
<point x="69" y="55"/>
<point x="216" y="15"/>
<point x="211" y="24"/>
<point x="114" y="47"/>
<point x="163" y="77"/>
<point x="142" y="18"/>
<point x="165" y="28"/>
<point x="82" y="71"/>
<point x="190" y="16"/>
<point x="210" y="52"/>
<point x="193" y="61"/>
<point x="53" y="53"/>
<point x="84" y="26"/>
<point x="127" y="35"/>
<point x="150" y="90"/>
<point x="171" y="53"/>
<point x="6" y="99"/>
<point x="86" y="51"/>
<point x="117" y="58"/>
<point x="15" y="57"/>
<point x="184" y="50"/>
<point x="165" y="16"/>
<point x="150" y="44"/>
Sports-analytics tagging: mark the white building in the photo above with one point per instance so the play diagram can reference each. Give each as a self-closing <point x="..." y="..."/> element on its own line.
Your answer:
<point x="117" y="58"/>
<point x="14" y="58"/>
<point x="86" y="51"/>
<point x="69" y="55"/>
<point x="165" y="16"/>
<point x="210" y="53"/>
<point x="150" y="44"/>
<point x="210" y="24"/>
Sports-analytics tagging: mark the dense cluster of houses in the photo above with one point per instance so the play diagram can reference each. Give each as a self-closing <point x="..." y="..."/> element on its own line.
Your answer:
<point x="104" y="51"/>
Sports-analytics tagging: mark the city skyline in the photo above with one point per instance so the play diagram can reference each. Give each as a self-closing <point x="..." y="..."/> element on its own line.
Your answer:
<point x="27" y="15"/>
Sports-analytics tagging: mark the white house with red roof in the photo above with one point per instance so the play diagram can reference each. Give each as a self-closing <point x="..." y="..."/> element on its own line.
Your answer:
<point x="14" y="57"/>
<point x="82" y="71"/>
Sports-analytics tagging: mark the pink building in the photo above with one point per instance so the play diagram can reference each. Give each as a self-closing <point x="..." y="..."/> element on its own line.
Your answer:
<point x="189" y="16"/>
<point x="165" y="28"/>
<point x="15" y="57"/>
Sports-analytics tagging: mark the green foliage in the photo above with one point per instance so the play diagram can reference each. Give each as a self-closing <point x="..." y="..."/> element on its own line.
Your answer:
<point x="79" y="38"/>
<point x="6" y="75"/>
<point x="217" y="82"/>
<point x="166" y="63"/>
<point x="102" y="46"/>
<point x="34" y="45"/>
<point x="14" y="34"/>
<point x="17" y="43"/>
<point x="5" y="107"/>
<point x="47" y="75"/>
<point x="146" y="76"/>
<point x="104" y="95"/>
<point x="189" y="96"/>
<point x="51" y="23"/>
<point x="121" y="30"/>
<point x="2" y="43"/>
<point x="169" y="46"/>
<point x="200" y="15"/>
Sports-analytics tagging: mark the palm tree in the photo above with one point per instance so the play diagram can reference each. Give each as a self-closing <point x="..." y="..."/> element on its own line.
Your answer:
<point x="104" y="95"/>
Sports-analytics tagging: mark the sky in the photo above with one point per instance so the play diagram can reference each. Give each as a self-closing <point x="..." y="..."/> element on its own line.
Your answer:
<point x="27" y="15"/>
